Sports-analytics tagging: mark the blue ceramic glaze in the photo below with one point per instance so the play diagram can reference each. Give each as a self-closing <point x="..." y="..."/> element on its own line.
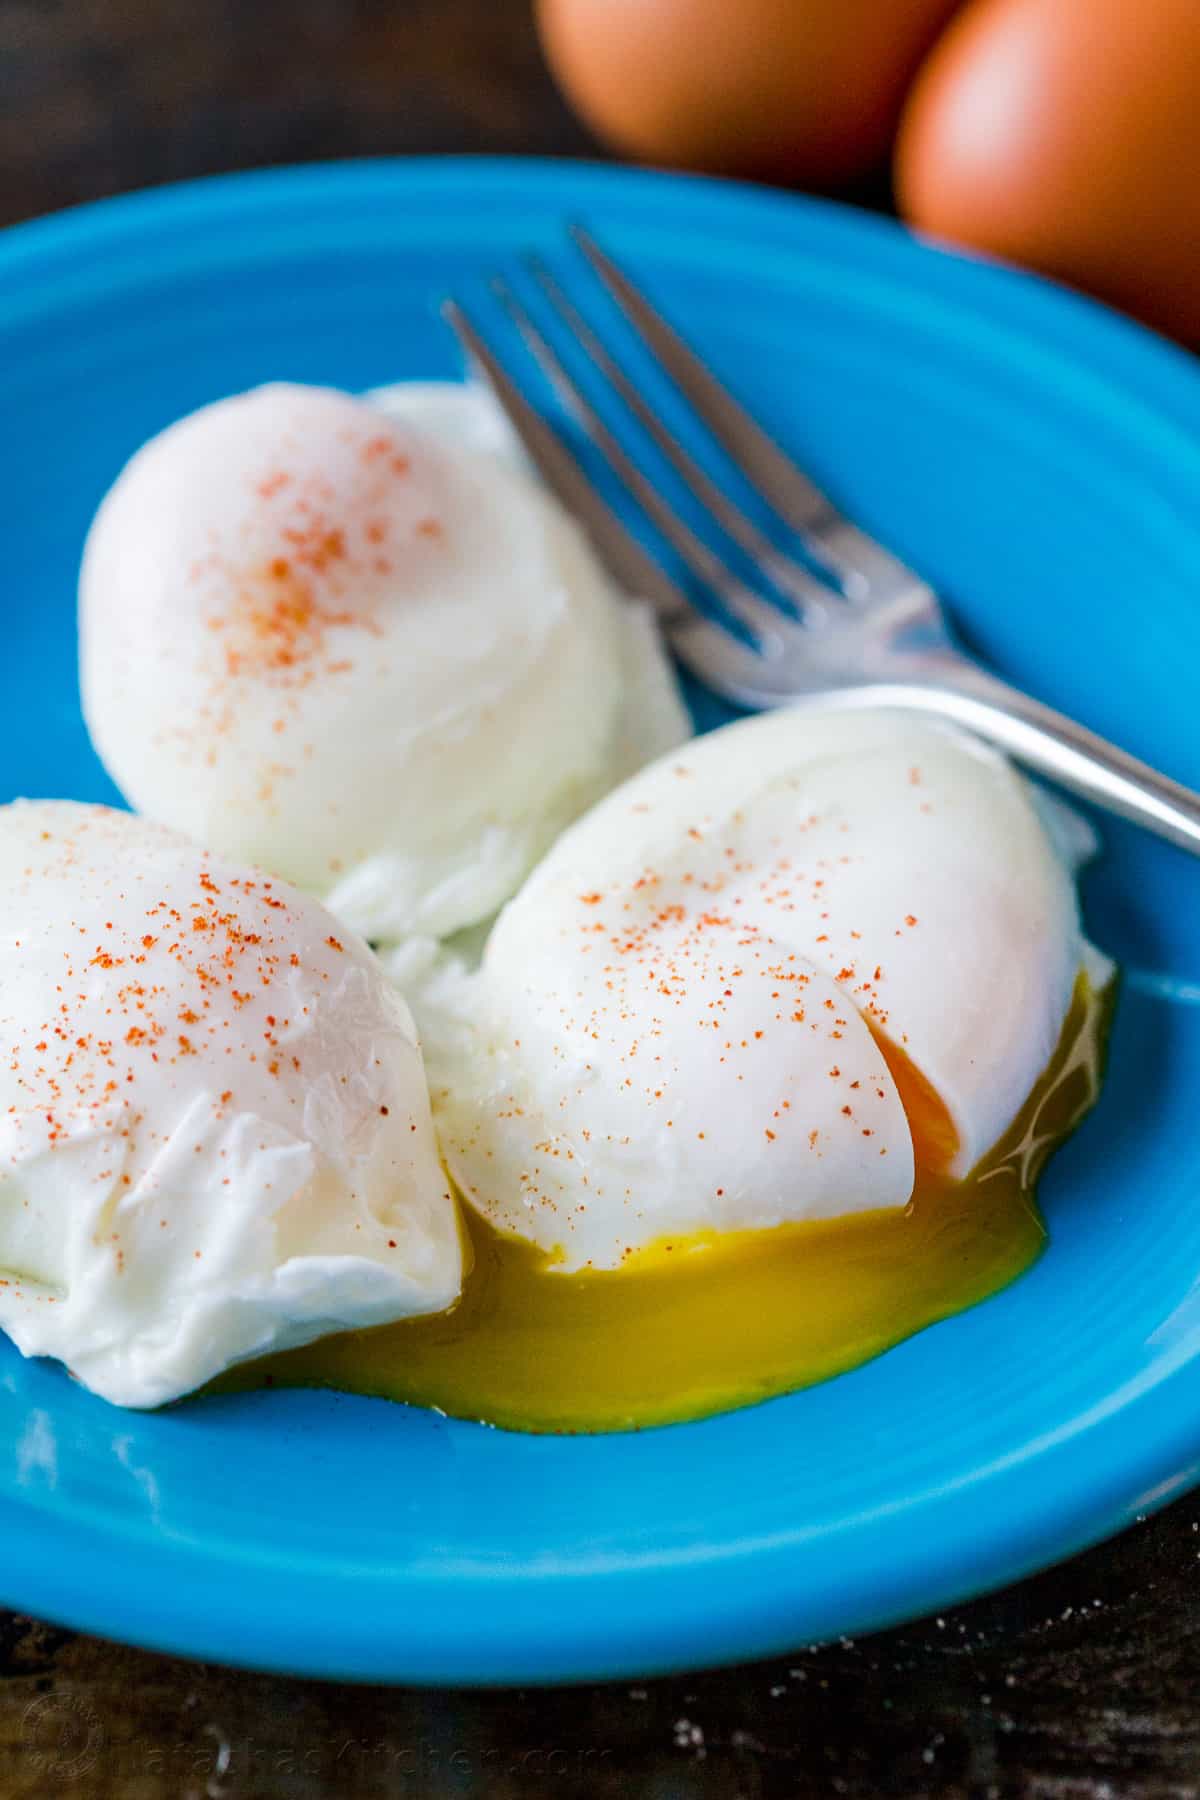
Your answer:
<point x="1035" y="457"/>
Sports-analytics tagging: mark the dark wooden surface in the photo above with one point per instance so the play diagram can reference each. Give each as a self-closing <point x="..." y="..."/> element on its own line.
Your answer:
<point x="1078" y="1685"/>
<point x="1081" y="1682"/>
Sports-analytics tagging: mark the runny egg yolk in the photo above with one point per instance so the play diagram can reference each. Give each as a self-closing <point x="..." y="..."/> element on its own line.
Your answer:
<point x="691" y="1327"/>
<point x="935" y="1140"/>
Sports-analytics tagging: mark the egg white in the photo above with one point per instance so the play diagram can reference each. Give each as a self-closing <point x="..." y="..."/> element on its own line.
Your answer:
<point x="215" y="1137"/>
<point x="354" y="641"/>
<point x="675" y="1027"/>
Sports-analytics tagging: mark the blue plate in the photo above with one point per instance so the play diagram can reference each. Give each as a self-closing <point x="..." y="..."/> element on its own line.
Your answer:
<point x="1039" y="460"/>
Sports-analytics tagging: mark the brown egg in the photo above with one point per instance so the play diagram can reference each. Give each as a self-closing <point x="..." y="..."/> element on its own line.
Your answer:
<point x="1065" y="134"/>
<point x="800" y="90"/>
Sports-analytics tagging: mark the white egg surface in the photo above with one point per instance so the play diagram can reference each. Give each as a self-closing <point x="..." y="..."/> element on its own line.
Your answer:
<point x="355" y="642"/>
<point x="215" y="1136"/>
<point x="766" y="980"/>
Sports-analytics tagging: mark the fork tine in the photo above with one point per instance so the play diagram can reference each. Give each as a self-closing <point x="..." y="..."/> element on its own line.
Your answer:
<point x="769" y="626"/>
<point x="789" y="490"/>
<point x="850" y="554"/>
<point x="727" y="665"/>
<point x="635" y="570"/>
<point x="793" y="581"/>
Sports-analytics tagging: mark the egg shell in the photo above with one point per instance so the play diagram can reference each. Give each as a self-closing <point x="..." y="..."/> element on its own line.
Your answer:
<point x="797" y="90"/>
<point x="1065" y="135"/>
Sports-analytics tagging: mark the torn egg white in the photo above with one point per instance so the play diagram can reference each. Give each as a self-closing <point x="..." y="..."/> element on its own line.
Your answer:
<point x="683" y="1022"/>
<point x="215" y="1135"/>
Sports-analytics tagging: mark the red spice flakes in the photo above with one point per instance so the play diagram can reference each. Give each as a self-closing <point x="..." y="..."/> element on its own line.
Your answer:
<point x="333" y="944"/>
<point x="281" y="611"/>
<point x="277" y="623"/>
<point x="384" y="448"/>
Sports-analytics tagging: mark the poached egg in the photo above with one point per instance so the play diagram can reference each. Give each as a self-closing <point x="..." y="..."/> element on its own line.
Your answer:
<point x="773" y="978"/>
<point x="355" y="642"/>
<point x="215" y="1135"/>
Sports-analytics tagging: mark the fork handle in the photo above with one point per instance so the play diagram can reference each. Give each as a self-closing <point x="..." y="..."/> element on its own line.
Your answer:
<point x="1045" y="740"/>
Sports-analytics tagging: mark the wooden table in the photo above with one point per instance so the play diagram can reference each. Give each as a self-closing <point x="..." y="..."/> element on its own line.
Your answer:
<point x="1081" y="1682"/>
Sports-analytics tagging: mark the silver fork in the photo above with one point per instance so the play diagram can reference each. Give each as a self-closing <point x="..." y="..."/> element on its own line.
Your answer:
<point x="866" y="632"/>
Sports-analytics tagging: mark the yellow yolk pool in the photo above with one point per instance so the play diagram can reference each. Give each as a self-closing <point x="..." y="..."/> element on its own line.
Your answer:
<point x="688" y="1327"/>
